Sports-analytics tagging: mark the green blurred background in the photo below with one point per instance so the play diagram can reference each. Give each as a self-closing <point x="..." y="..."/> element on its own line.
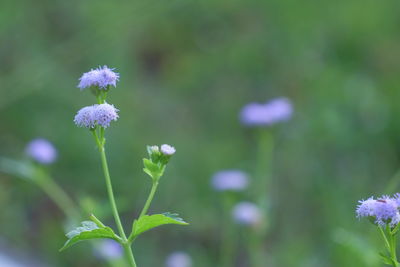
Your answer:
<point x="187" y="68"/>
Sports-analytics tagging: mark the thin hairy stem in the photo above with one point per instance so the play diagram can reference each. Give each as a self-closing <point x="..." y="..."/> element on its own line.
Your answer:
<point x="393" y="250"/>
<point x="149" y="199"/>
<point x="125" y="243"/>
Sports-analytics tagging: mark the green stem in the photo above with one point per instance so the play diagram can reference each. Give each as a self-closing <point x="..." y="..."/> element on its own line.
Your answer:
<point x="228" y="233"/>
<point x="262" y="192"/>
<point x="128" y="251"/>
<point x="125" y="244"/>
<point x="60" y="198"/>
<point x="263" y="170"/>
<point x="393" y="250"/>
<point x="390" y="243"/>
<point x="149" y="199"/>
<point x="99" y="99"/>
<point x="387" y="244"/>
<point x="56" y="194"/>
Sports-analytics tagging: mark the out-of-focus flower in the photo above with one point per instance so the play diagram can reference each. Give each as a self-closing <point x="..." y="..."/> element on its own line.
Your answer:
<point x="101" y="77"/>
<point x="233" y="180"/>
<point x="167" y="150"/>
<point x="85" y="118"/>
<point x="274" y="111"/>
<point x="178" y="259"/>
<point x="41" y="150"/>
<point x="103" y="114"/>
<point x="109" y="249"/>
<point x="384" y="210"/>
<point x="247" y="213"/>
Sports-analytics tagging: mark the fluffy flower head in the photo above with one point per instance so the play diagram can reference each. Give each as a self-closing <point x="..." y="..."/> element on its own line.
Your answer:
<point x="247" y="213"/>
<point x="85" y="117"/>
<point x="101" y="77"/>
<point x="104" y="114"/>
<point x="167" y="150"/>
<point x="90" y="116"/>
<point x="366" y="208"/>
<point x="178" y="259"/>
<point x="41" y="150"/>
<point x="274" y="111"/>
<point x="385" y="210"/>
<point x="233" y="180"/>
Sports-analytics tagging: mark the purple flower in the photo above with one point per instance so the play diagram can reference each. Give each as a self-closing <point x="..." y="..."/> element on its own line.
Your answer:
<point x="178" y="259"/>
<point x="90" y="116"/>
<point x="101" y="77"/>
<point x="384" y="210"/>
<point x="85" y="117"/>
<point x="41" y="150"/>
<point x="274" y="111"/>
<point x="233" y="180"/>
<point x="167" y="150"/>
<point x="366" y="208"/>
<point x="247" y="213"/>
<point x="109" y="249"/>
<point x="104" y="114"/>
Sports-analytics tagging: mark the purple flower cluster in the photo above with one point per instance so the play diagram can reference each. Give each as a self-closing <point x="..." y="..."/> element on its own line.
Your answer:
<point x="385" y="210"/>
<point x="41" y="150"/>
<point x="101" y="114"/>
<point x="101" y="77"/>
<point x="274" y="111"/>
<point x="233" y="180"/>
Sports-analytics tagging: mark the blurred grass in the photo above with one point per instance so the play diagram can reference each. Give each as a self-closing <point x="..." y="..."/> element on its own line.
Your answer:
<point x="187" y="67"/>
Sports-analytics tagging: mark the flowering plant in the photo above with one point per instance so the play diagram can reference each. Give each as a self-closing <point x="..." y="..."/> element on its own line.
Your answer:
<point x="384" y="213"/>
<point x="97" y="118"/>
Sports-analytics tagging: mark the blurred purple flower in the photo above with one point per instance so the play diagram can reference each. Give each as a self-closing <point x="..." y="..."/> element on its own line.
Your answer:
<point x="41" y="150"/>
<point x="101" y="77"/>
<point x="247" y="213"/>
<point x="178" y="259"/>
<point x="384" y="209"/>
<point x="233" y="180"/>
<point x="274" y="111"/>
<point x="167" y="150"/>
<point x="85" y="118"/>
<point x="109" y="249"/>
<point x="103" y="114"/>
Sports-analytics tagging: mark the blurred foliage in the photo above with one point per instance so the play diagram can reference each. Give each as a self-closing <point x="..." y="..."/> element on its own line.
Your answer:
<point x="187" y="67"/>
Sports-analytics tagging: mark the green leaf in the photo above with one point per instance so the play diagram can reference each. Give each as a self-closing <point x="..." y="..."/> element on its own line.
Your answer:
<point x="88" y="230"/>
<point x="148" y="222"/>
<point x="152" y="167"/>
<point x="154" y="170"/>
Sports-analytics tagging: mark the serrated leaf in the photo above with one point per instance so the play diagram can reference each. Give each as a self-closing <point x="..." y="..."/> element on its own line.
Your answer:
<point x="148" y="222"/>
<point x="88" y="230"/>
